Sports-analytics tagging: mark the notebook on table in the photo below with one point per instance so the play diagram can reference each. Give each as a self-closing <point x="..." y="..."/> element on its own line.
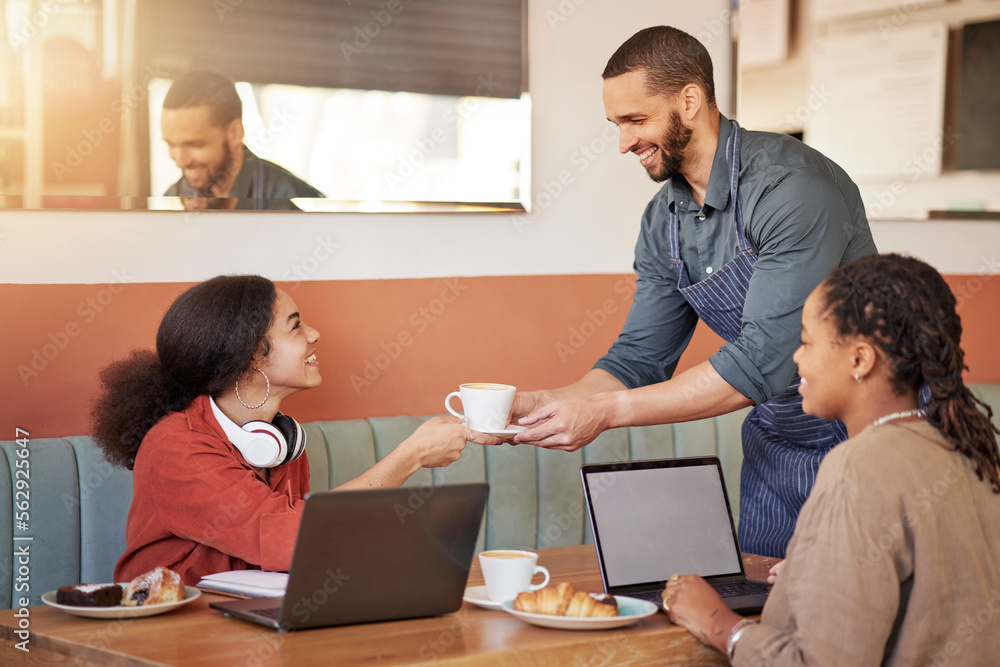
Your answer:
<point x="652" y="519"/>
<point x="375" y="555"/>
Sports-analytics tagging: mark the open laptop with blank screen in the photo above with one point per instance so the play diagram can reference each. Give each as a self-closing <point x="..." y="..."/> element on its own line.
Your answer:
<point x="375" y="555"/>
<point x="652" y="519"/>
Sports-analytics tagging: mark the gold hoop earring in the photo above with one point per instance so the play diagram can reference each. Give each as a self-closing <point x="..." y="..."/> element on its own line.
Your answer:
<point x="266" y="396"/>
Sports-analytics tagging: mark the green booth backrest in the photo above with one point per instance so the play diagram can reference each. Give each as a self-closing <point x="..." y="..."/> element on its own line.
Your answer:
<point x="78" y="503"/>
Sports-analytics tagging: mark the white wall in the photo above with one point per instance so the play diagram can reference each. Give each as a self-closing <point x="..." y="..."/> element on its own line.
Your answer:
<point x="779" y="98"/>
<point x="586" y="224"/>
<point x="586" y="204"/>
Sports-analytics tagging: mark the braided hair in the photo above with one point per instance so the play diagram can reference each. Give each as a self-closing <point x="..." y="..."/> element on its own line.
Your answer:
<point x="906" y="309"/>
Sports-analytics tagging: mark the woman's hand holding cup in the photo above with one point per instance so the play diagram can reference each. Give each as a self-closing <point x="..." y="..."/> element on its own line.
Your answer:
<point x="439" y="441"/>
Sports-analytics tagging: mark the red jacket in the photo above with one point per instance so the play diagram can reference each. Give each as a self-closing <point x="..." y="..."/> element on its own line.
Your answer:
<point x="199" y="508"/>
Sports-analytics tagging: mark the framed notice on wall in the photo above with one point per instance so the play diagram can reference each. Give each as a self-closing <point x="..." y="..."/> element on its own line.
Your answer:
<point x="880" y="101"/>
<point x="764" y="32"/>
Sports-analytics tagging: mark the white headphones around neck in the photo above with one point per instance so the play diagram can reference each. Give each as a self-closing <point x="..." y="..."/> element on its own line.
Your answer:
<point x="264" y="444"/>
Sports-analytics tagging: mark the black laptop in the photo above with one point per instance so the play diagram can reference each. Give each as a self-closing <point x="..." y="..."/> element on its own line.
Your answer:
<point x="375" y="555"/>
<point x="652" y="519"/>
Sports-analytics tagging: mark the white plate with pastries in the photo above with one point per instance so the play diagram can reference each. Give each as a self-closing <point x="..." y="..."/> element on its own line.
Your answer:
<point x="630" y="610"/>
<point x="121" y="611"/>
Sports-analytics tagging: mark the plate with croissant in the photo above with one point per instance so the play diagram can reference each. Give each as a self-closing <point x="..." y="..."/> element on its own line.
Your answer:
<point x="565" y="608"/>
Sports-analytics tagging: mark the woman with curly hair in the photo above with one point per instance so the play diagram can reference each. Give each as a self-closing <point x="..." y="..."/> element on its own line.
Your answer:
<point x="219" y="474"/>
<point x="896" y="554"/>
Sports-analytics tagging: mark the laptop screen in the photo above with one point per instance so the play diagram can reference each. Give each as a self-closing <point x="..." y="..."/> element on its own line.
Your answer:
<point x="654" y="518"/>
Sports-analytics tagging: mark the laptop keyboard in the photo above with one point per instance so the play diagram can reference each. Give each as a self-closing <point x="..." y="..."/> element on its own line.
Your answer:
<point x="748" y="587"/>
<point x="655" y="597"/>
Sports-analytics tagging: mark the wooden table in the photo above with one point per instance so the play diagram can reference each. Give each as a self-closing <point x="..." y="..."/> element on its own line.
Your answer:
<point x="197" y="635"/>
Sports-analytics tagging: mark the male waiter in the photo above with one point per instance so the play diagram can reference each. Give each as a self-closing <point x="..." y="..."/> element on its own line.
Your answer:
<point x="746" y="225"/>
<point x="202" y="124"/>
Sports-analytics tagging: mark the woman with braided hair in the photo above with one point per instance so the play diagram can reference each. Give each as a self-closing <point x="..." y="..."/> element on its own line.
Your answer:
<point x="896" y="554"/>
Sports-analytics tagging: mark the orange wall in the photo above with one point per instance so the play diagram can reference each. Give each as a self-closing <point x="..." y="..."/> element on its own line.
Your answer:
<point x="388" y="347"/>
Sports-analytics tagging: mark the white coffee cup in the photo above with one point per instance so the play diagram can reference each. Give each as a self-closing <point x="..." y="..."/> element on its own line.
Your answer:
<point x="486" y="404"/>
<point x="508" y="572"/>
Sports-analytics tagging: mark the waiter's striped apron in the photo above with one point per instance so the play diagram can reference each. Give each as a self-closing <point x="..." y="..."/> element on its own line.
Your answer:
<point x="782" y="446"/>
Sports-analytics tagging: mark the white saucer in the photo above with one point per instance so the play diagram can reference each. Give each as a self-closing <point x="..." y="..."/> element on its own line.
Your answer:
<point x="477" y="596"/>
<point x="507" y="433"/>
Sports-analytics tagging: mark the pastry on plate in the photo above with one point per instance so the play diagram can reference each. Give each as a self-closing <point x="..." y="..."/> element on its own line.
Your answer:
<point x="154" y="587"/>
<point x="90" y="595"/>
<point x="564" y="600"/>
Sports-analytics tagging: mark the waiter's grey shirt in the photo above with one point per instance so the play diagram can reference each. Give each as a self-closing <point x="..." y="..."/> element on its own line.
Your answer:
<point x="803" y="216"/>
<point x="279" y="185"/>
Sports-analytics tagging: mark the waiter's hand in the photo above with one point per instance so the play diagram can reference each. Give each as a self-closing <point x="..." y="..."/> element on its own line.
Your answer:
<point x="526" y="402"/>
<point x="568" y="424"/>
<point x="693" y="604"/>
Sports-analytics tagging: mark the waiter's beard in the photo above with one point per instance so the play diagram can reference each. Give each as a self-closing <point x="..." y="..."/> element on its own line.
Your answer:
<point x="675" y="140"/>
<point x="219" y="174"/>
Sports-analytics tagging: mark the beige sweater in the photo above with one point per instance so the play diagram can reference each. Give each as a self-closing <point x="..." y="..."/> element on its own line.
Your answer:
<point x="895" y="560"/>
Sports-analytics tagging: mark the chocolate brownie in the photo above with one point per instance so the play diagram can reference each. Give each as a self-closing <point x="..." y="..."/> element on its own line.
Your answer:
<point x="90" y="595"/>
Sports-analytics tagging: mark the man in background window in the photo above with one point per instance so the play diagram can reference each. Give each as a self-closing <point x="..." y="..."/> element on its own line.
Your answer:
<point x="202" y="124"/>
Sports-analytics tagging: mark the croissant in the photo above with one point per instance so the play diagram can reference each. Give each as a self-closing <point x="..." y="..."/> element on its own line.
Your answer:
<point x="584" y="604"/>
<point x="565" y="600"/>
